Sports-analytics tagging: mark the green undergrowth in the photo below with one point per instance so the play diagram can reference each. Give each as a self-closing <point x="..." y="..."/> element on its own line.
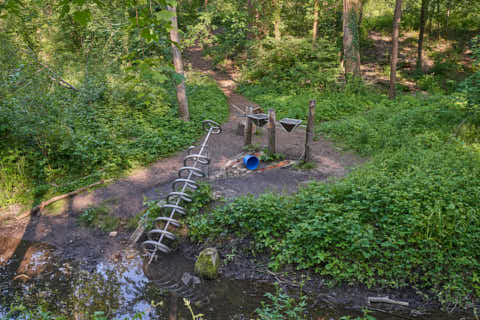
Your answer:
<point x="407" y="218"/>
<point x="292" y="63"/>
<point x="55" y="140"/>
<point x="282" y="306"/>
<point x="99" y="217"/>
<point x="331" y="104"/>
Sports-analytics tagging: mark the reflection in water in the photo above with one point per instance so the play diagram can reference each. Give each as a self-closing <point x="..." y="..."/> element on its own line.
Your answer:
<point x="121" y="289"/>
<point x="128" y="287"/>
<point x="7" y="249"/>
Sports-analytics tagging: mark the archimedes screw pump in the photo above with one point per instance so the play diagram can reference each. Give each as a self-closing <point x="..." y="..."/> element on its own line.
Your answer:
<point x="192" y="168"/>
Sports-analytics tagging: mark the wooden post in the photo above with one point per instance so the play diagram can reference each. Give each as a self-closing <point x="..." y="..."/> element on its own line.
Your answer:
<point x="310" y="131"/>
<point x="248" y="128"/>
<point x="271" y="132"/>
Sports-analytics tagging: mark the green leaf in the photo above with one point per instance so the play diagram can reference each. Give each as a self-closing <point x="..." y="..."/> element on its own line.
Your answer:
<point x="164" y="15"/>
<point x="82" y="16"/>
<point x="159" y="77"/>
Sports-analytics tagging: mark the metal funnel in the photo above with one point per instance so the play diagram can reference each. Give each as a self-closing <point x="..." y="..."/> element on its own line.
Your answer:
<point x="290" y="124"/>
<point x="260" y="119"/>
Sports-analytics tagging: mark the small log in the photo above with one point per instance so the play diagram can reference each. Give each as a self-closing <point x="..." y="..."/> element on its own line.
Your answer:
<point x="53" y="75"/>
<point x="310" y="131"/>
<point x="38" y="209"/>
<point x="386" y="300"/>
<point x="137" y="234"/>
<point x="271" y="132"/>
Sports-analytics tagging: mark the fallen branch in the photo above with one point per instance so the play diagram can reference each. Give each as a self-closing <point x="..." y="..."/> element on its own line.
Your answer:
<point x="386" y="300"/>
<point x="277" y="165"/>
<point x="53" y="75"/>
<point x="280" y="280"/>
<point x="41" y="206"/>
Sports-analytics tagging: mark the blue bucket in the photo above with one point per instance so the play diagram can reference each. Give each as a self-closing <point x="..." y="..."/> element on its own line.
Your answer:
<point x="251" y="162"/>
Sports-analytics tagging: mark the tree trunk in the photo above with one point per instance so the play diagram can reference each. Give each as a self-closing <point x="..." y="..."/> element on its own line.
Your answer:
<point x="315" y="21"/>
<point x="277" y="20"/>
<point x="447" y="18"/>
<point x="439" y="22"/>
<point x="394" y="57"/>
<point x="251" y="15"/>
<point x="258" y="25"/>
<point x="351" y="41"/>
<point x="205" y="5"/>
<point x="429" y="18"/>
<point x="178" y="63"/>
<point x="423" y="15"/>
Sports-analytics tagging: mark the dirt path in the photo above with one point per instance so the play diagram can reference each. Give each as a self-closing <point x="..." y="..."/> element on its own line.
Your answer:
<point x="125" y="197"/>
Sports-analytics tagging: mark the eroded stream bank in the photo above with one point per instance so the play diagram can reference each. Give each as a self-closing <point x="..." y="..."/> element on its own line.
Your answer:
<point x="32" y="275"/>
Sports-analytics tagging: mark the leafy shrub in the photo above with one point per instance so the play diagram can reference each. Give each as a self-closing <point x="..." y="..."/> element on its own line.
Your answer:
<point x="222" y="32"/>
<point x="331" y="104"/>
<point x="293" y="63"/>
<point x="414" y="120"/>
<point x="430" y="82"/>
<point x="231" y="34"/>
<point x="381" y="23"/>
<point x="470" y="87"/>
<point x="99" y="217"/>
<point x="282" y="306"/>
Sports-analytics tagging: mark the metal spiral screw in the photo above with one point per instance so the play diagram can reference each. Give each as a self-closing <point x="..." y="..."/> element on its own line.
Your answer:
<point x="180" y="186"/>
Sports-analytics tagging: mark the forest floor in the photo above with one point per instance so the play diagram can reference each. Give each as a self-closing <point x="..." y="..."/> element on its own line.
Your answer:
<point x="375" y="67"/>
<point x="58" y="225"/>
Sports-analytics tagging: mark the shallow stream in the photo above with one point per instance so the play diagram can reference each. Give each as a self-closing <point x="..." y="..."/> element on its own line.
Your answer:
<point x="31" y="275"/>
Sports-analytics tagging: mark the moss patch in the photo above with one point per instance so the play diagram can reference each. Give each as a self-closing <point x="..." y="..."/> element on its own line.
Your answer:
<point x="207" y="263"/>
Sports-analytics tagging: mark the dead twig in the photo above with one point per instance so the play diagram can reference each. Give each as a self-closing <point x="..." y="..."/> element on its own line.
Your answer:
<point x="284" y="281"/>
<point x="238" y="109"/>
<point x="52" y="74"/>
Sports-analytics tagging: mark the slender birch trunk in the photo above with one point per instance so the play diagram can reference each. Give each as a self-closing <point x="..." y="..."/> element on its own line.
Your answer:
<point x="178" y="63"/>
<point x="315" y="22"/>
<point x="421" y="35"/>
